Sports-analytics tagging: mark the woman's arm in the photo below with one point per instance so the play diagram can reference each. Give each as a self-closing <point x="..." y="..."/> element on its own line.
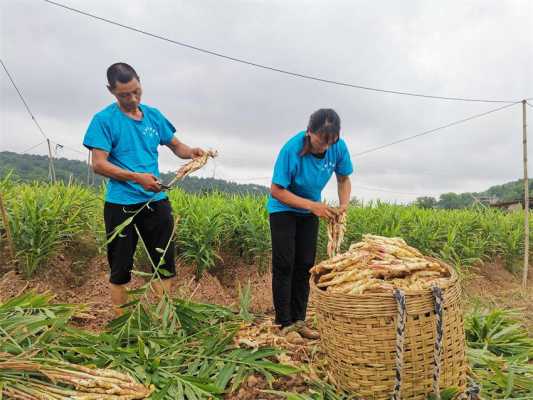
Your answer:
<point x="344" y="188"/>
<point x="292" y="200"/>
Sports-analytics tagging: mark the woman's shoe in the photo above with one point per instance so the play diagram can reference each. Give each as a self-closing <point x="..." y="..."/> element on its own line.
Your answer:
<point x="305" y="331"/>
<point x="292" y="335"/>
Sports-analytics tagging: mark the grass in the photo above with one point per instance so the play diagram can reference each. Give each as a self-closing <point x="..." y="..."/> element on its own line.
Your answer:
<point x="44" y="218"/>
<point x="500" y="352"/>
<point x="184" y="349"/>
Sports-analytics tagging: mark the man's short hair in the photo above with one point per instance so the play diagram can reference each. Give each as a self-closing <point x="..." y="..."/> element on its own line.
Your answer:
<point x="120" y="72"/>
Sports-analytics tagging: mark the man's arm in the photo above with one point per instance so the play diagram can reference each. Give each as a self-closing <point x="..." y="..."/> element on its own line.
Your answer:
<point x="103" y="167"/>
<point x="183" y="151"/>
<point x="344" y="188"/>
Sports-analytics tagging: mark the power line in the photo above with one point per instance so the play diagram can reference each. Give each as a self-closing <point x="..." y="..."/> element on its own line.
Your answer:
<point x="31" y="114"/>
<point x="70" y="148"/>
<point x="23" y="101"/>
<point x="269" y="68"/>
<point x="33" y="147"/>
<point x="51" y="169"/>
<point x="433" y="130"/>
<point x="251" y="178"/>
<point x="374" y="189"/>
<point x="400" y="141"/>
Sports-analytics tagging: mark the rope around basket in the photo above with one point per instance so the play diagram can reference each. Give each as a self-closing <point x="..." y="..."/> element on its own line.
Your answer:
<point x="471" y="393"/>
<point x="399" y="296"/>
<point x="437" y="354"/>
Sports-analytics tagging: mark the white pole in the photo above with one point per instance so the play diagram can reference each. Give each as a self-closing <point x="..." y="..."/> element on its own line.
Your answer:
<point x="526" y="199"/>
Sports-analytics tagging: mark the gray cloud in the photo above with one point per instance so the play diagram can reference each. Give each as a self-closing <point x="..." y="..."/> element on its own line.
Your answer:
<point x="464" y="49"/>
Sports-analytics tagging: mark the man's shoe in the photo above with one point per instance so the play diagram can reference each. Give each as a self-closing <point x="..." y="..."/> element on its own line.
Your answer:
<point x="305" y="331"/>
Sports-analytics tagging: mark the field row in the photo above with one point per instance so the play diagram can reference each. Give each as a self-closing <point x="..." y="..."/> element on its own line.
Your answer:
<point x="44" y="218"/>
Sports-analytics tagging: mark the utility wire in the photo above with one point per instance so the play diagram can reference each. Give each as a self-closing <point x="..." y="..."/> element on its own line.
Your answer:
<point x="69" y="148"/>
<point x="375" y="189"/>
<point x="411" y="137"/>
<point x="31" y="114"/>
<point x="270" y="68"/>
<point x="251" y="178"/>
<point x="33" y="147"/>
<point x="23" y="101"/>
<point x="371" y="150"/>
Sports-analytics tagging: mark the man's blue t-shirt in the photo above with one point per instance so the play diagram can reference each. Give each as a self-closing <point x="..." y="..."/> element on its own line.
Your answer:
<point x="306" y="176"/>
<point x="132" y="145"/>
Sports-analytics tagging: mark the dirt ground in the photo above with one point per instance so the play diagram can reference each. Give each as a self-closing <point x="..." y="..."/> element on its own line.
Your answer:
<point x="491" y="285"/>
<point x="90" y="286"/>
<point x="488" y="285"/>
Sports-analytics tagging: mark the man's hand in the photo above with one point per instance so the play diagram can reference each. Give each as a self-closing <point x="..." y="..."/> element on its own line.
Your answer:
<point x="197" y="152"/>
<point x="148" y="182"/>
<point x="322" y="210"/>
<point x="183" y="151"/>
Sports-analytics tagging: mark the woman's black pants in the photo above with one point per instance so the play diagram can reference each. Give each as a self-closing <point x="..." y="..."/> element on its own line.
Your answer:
<point x="294" y="240"/>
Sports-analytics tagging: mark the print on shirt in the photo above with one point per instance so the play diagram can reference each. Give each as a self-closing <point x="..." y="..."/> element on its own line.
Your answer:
<point x="151" y="132"/>
<point x="327" y="166"/>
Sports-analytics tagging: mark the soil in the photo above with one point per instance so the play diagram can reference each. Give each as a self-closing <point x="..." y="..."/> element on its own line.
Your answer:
<point x="491" y="285"/>
<point x="488" y="285"/>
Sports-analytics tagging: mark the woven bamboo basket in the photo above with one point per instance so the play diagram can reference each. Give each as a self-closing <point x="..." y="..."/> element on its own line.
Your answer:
<point x="358" y="336"/>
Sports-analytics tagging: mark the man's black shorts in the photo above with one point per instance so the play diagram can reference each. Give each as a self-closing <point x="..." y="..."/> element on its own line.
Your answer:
<point x="155" y="224"/>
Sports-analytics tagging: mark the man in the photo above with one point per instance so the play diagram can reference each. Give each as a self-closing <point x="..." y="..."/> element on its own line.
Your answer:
<point x="124" y="139"/>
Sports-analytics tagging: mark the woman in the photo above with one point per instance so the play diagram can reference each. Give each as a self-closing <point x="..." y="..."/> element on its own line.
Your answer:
<point x="303" y="167"/>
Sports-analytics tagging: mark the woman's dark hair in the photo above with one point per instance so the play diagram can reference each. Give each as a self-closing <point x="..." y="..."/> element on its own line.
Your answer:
<point x="326" y="123"/>
<point x="120" y="72"/>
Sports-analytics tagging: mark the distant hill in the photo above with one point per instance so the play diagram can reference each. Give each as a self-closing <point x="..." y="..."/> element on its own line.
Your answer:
<point x="29" y="167"/>
<point x="507" y="192"/>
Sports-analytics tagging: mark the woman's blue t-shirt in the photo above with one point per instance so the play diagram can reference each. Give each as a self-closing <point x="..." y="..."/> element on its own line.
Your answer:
<point x="132" y="145"/>
<point x="306" y="176"/>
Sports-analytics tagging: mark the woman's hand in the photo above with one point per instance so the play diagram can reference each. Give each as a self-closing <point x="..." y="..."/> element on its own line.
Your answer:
<point x="341" y="209"/>
<point x="322" y="210"/>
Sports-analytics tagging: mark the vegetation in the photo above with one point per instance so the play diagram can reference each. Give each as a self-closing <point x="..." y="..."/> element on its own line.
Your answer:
<point x="500" y="353"/>
<point x="44" y="218"/>
<point x="184" y="349"/>
<point x="510" y="191"/>
<point x="30" y="168"/>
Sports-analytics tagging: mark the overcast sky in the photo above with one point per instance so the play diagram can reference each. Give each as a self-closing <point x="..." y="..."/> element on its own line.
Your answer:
<point x="475" y="49"/>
